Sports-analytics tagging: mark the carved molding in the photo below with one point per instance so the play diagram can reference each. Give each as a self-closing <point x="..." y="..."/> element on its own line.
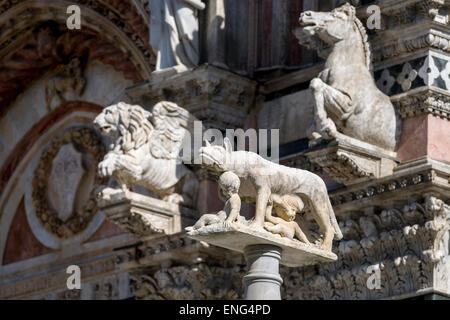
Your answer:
<point x="112" y="31"/>
<point x="218" y="98"/>
<point x="54" y="281"/>
<point x="350" y="163"/>
<point x="45" y="48"/>
<point x="393" y="48"/>
<point x="409" y="181"/>
<point x="189" y="282"/>
<point x="404" y="243"/>
<point x="423" y="100"/>
<point x="120" y="13"/>
<point x="408" y="27"/>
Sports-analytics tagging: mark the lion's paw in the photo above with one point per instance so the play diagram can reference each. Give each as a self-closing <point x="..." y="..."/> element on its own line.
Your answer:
<point x="174" y="198"/>
<point x="108" y="166"/>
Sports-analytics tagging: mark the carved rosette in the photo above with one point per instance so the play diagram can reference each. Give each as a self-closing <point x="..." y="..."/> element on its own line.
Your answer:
<point x="49" y="178"/>
<point x="405" y="245"/>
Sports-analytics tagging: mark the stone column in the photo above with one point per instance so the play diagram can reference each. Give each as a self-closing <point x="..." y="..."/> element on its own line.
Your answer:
<point x="263" y="280"/>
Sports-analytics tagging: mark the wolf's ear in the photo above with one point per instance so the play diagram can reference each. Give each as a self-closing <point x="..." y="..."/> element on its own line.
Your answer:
<point x="227" y="145"/>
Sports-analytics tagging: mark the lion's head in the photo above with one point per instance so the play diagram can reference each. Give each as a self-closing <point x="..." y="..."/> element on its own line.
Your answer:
<point x="127" y="125"/>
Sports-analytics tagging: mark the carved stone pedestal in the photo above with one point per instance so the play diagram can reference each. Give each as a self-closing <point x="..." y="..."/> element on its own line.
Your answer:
<point x="219" y="98"/>
<point x="264" y="253"/>
<point x="351" y="161"/>
<point x="143" y="217"/>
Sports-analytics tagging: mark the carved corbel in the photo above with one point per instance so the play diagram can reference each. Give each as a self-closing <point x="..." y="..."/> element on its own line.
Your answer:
<point x="141" y="216"/>
<point x="350" y="162"/>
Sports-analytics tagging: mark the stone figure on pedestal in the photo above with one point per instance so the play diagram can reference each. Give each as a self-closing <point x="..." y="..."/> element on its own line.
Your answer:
<point x="267" y="240"/>
<point x="345" y="94"/>
<point x="272" y="186"/>
<point x="174" y="32"/>
<point x="145" y="150"/>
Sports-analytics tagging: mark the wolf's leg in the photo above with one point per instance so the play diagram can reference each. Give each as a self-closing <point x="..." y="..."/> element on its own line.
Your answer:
<point x="262" y="198"/>
<point x="319" y="209"/>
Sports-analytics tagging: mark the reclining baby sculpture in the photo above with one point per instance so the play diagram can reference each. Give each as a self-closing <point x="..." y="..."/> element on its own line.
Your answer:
<point x="345" y="94"/>
<point x="145" y="150"/>
<point x="273" y="187"/>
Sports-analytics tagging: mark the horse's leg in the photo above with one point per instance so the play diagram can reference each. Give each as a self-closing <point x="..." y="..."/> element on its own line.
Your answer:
<point x="322" y="123"/>
<point x="330" y="101"/>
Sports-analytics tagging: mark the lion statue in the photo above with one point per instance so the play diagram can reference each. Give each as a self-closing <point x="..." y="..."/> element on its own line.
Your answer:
<point x="146" y="148"/>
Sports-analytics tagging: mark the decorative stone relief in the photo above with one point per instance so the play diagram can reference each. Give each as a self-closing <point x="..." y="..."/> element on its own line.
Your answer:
<point x="53" y="197"/>
<point x="435" y="72"/>
<point x="67" y="79"/>
<point x="219" y="98"/>
<point x="69" y="295"/>
<point x="122" y="15"/>
<point x="350" y="163"/>
<point x="338" y="103"/>
<point x="426" y="100"/>
<point x="106" y="289"/>
<point x="145" y="150"/>
<point x="189" y="282"/>
<point x="141" y="216"/>
<point x="400" y="22"/>
<point x="406" y="245"/>
<point x="37" y="54"/>
<point x="64" y="180"/>
<point x="386" y="81"/>
<point x="406" y="77"/>
<point x="401" y="77"/>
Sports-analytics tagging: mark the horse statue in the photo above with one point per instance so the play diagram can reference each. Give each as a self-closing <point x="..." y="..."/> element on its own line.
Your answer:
<point x="346" y="97"/>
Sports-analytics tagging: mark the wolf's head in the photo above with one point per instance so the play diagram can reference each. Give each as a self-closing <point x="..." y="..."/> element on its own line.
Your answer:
<point x="216" y="158"/>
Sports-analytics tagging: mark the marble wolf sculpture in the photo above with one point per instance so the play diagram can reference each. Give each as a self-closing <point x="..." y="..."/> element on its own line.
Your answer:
<point x="345" y="94"/>
<point x="260" y="178"/>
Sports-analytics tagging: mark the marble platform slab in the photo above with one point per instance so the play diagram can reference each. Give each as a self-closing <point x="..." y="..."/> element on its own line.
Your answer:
<point x="237" y="236"/>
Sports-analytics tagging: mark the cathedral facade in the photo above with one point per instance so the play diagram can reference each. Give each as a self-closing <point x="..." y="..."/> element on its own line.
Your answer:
<point x="232" y="64"/>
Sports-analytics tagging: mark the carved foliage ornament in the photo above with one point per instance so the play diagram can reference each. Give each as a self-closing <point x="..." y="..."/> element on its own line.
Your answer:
<point x="406" y="245"/>
<point x="201" y="281"/>
<point x="67" y="225"/>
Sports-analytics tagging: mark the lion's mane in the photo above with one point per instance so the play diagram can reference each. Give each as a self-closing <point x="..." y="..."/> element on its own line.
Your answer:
<point x="133" y="127"/>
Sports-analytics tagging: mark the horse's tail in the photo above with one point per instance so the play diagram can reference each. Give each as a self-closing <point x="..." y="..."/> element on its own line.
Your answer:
<point x="337" y="230"/>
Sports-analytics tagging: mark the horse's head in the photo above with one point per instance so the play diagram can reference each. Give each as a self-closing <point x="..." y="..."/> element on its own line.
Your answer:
<point x="330" y="27"/>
